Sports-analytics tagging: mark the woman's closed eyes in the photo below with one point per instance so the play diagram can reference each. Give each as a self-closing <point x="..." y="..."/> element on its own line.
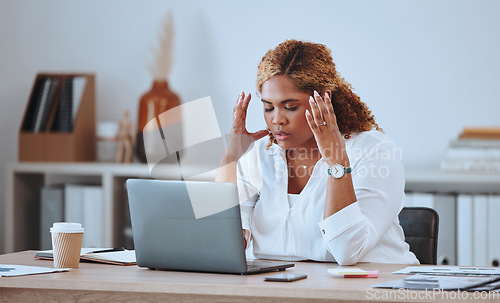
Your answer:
<point x="268" y="109"/>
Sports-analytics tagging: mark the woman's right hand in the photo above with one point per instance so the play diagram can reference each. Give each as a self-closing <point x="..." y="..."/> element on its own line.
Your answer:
<point x="240" y="139"/>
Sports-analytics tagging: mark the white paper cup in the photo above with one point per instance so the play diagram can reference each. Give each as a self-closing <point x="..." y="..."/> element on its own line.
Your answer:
<point x="66" y="244"/>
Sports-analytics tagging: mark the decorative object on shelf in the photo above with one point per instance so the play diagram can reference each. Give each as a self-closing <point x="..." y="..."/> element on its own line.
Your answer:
<point x="107" y="141"/>
<point x="159" y="98"/>
<point x="126" y="139"/>
<point x="476" y="149"/>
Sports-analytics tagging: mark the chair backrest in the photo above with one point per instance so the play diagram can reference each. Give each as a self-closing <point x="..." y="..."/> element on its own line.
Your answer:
<point x="420" y="226"/>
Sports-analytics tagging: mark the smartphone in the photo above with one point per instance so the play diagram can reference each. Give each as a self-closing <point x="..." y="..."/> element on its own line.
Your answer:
<point x="288" y="277"/>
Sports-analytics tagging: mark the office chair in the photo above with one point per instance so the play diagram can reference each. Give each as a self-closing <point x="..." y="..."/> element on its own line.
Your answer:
<point x="420" y="226"/>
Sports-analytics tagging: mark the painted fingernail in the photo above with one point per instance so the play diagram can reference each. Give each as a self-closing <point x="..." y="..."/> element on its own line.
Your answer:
<point x="311" y="99"/>
<point x="307" y="112"/>
<point x="316" y="93"/>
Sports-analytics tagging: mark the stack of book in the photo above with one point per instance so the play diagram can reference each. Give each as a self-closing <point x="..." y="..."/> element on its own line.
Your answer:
<point x="476" y="149"/>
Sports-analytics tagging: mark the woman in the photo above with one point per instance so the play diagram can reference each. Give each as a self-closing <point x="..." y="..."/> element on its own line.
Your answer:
<point x="327" y="185"/>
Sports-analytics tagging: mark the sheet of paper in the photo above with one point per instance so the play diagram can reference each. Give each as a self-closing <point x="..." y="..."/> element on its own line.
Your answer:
<point x="449" y="270"/>
<point x="126" y="256"/>
<point x="9" y="270"/>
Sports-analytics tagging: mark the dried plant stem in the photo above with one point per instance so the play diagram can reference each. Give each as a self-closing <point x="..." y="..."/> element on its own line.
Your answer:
<point x="162" y="63"/>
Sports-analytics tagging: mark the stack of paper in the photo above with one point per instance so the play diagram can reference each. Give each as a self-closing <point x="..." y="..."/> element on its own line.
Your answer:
<point x="446" y="278"/>
<point x="438" y="282"/>
<point x="450" y="271"/>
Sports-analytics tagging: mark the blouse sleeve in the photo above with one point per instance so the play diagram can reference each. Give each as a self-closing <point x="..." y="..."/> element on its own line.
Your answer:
<point x="249" y="182"/>
<point x="378" y="180"/>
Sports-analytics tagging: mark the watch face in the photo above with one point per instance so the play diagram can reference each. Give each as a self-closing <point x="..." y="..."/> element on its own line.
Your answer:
<point x="337" y="170"/>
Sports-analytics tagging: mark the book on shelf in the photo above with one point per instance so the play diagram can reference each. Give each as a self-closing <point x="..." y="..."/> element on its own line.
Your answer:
<point x="71" y="94"/>
<point x="83" y="204"/>
<point x="480" y="133"/>
<point x="470" y="166"/>
<point x="475" y="143"/>
<point x="51" y="210"/>
<point x="45" y="103"/>
<point x="72" y="203"/>
<point x="41" y="104"/>
<point x="476" y="149"/>
<point x="64" y="119"/>
<point x="118" y="256"/>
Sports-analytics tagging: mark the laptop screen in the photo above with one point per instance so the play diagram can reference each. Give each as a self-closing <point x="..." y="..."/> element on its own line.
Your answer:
<point x="168" y="235"/>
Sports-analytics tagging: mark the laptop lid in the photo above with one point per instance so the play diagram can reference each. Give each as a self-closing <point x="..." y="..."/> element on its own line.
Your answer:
<point x="168" y="236"/>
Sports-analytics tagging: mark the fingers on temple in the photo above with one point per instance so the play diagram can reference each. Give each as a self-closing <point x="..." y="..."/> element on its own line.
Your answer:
<point x="331" y="111"/>
<point x="246" y="101"/>
<point x="238" y="101"/>
<point x="243" y="107"/>
<point x="322" y="107"/>
<point x="310" y="121"/>
<point x="316" y="113"/>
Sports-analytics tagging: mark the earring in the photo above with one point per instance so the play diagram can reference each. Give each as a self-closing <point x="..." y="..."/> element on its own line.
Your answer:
<point x="271" y="139"/>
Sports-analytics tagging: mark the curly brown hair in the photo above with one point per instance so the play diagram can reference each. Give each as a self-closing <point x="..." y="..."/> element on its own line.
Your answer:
<point x="310" y="67"/>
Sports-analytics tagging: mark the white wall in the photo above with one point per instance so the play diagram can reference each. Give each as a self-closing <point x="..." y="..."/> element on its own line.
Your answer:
<point x="425" y="68"/>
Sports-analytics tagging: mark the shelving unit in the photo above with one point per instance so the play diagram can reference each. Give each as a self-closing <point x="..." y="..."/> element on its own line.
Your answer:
<point x="467" y="204"/>
<point x="24" y="181"/>
<point x="22" y="196"/>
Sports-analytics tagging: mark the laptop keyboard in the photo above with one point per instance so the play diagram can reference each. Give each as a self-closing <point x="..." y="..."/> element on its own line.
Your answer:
<point x="253" y="266"/>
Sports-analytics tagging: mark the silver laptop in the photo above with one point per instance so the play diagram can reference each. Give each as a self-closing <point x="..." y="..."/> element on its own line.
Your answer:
<point x="167" y="234"/>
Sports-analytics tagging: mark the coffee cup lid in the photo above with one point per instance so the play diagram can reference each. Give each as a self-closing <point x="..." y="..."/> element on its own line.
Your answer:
<point x="67" y="227"/>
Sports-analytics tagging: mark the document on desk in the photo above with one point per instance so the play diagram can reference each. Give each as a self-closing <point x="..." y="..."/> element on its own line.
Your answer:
<point x="431" y="282"/>
<point x="9" y="270"/>
<point x="125" y="257"/>
<point x="450" y="271"/>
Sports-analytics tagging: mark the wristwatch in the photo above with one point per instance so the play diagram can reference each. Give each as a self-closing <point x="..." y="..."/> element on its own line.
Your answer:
<point x="337" y="171"/>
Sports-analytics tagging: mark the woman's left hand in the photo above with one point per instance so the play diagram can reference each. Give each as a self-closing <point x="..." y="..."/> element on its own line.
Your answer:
<point x="323" y="124"/>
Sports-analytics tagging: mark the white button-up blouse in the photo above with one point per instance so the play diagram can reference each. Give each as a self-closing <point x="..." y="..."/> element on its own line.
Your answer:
<point x="292" y="227"/>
